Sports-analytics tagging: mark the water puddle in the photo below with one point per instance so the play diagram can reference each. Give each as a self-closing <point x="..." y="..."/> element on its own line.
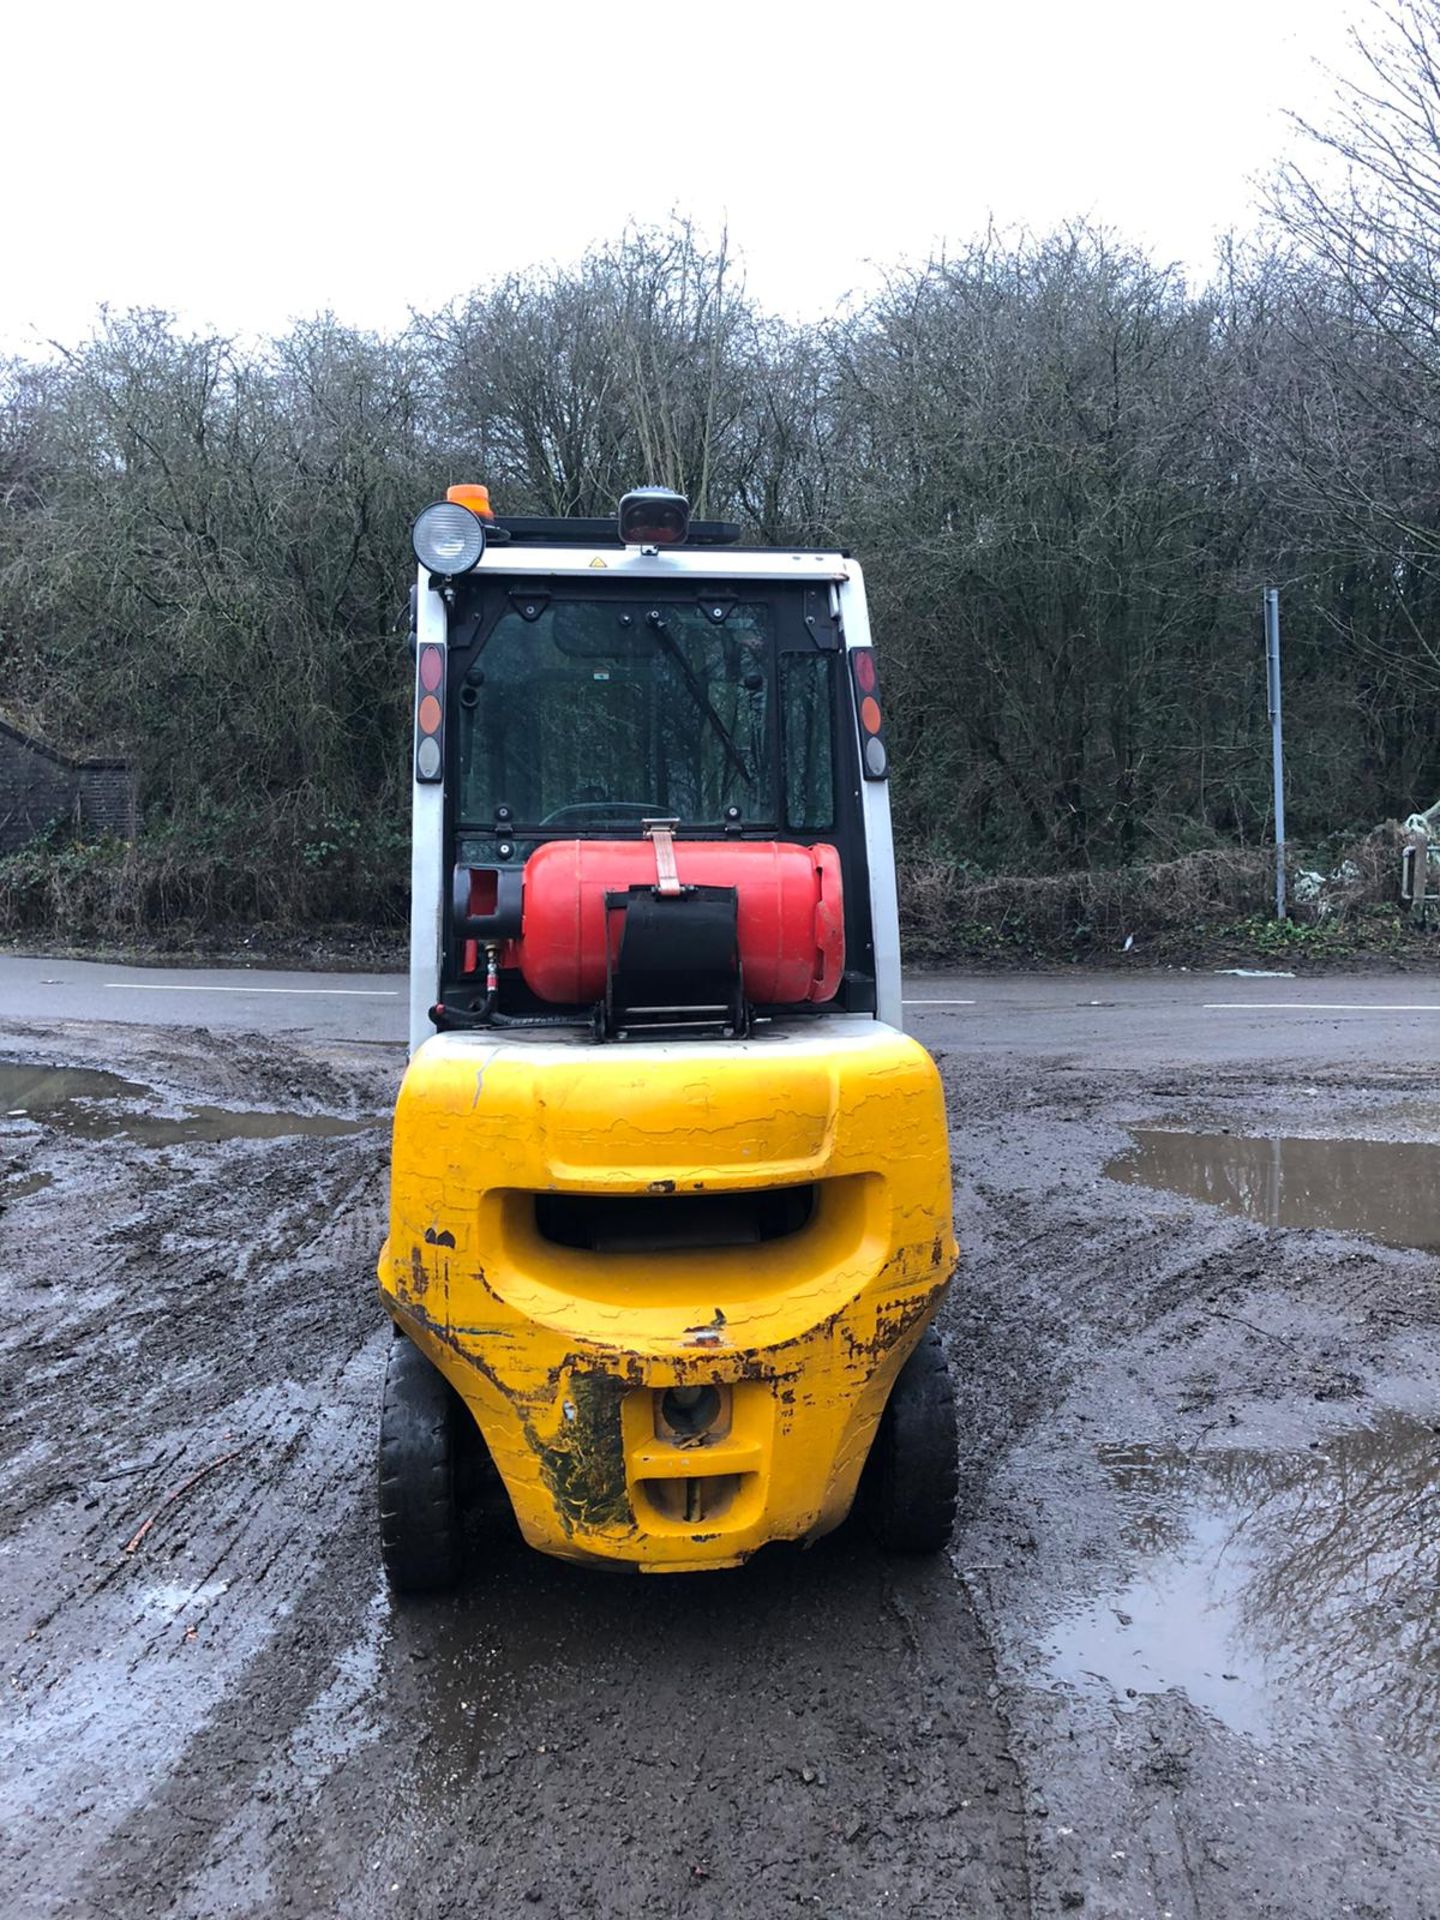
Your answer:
<point x="23" y="1185"/>
<point x="1388" y="1189"/>
<point x="344" y="1717"/>
<point x="174" y="1597"/>
<point x="89" y="1105"/>
<point x="1279" y="1591"/>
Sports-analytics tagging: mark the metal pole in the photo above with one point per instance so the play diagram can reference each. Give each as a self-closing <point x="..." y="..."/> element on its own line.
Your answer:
<point x="1277" y="739"/>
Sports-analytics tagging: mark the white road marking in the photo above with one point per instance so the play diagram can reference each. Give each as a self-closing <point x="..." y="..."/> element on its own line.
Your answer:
<point x="937" y="1003"/>
<point x="1318" y="1006"/>
<point x="323" y="993"/>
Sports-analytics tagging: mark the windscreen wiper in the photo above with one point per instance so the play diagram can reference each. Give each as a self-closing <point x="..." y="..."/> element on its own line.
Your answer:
<point x="657" y="622"/>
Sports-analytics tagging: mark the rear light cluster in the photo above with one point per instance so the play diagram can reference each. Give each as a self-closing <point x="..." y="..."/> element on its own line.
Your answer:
<point x="874" y="760"/>
<point x="430" y="713"/>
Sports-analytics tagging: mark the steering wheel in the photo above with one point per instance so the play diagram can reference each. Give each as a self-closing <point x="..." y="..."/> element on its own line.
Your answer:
<point x="595" y="812"/>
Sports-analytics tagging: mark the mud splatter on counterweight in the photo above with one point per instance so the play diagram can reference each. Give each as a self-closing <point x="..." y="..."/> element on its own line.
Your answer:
<point x="585" y="1464"/>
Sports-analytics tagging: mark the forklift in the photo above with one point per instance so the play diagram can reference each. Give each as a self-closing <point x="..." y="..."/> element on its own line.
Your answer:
<point x="670" y="1195"/>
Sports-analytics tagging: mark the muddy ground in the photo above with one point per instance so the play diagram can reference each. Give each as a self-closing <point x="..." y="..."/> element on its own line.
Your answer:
<point x="1183" y="1661"/>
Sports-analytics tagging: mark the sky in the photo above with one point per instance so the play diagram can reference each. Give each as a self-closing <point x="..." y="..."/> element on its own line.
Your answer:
<point x="242" y="165"/>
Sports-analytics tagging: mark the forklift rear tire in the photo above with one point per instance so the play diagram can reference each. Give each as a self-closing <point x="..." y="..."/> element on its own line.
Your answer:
<point x="912" y="1475"/>
<point x="419" y="1440"/>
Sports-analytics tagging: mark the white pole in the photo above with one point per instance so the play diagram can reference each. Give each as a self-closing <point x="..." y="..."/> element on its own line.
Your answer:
<point x="427" y="835"/>
<point x="1277" y="740"/>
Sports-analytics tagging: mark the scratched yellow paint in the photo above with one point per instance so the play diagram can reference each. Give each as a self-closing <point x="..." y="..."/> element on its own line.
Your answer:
<point x="561" y="1353"/>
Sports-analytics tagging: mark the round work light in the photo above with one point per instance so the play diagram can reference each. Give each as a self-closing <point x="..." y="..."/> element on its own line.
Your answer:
<point x="448" y="538"/>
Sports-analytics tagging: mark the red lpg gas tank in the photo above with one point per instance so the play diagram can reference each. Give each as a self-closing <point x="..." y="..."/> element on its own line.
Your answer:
<point x="790" y="913"/>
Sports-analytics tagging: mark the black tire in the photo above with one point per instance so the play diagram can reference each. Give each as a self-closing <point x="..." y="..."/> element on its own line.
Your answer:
<point x="913" y="1473"/>
<point x="419" y="1444"/>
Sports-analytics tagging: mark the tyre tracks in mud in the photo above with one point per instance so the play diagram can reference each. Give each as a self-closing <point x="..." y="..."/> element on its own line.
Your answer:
<point x="165" y="1312"/>
<point x="231" y="1719"/>
<point x="1204" y="1523"/>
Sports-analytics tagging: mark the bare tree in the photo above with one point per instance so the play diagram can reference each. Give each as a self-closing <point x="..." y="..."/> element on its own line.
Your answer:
<point x="1067" y="474"/>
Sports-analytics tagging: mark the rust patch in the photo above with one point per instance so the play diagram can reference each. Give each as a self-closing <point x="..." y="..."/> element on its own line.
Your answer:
<point x="892" y="1323"/>
<point x="759" y="1366"/>
<point x="411" y="1312"/>
<point x="419" y="1275"/>
<point x="482" y="1280"/>
<point x="443" y="1239"/>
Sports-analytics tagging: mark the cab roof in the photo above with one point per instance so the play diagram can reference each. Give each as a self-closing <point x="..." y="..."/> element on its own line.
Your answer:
<point x="532" y="532"/>
<point x="593" y="546"/>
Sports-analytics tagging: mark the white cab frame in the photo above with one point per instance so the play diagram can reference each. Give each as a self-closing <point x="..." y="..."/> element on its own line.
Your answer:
<point x="429" y="875"/>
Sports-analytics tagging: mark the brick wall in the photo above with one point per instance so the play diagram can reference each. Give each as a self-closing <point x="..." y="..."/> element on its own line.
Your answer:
<point x="39" y="785"/>
<point x="107" y="798"/>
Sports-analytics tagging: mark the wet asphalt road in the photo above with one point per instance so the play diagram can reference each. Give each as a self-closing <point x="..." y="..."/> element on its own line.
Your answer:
<point x="1183" y="1660"/>
<point x="323" y="1006"/>
<point x="1090" y="1018"/>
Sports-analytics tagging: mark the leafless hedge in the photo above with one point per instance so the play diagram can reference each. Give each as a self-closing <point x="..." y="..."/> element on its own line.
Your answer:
<point x="949" y="915"/>
<point x="1069" y="475"/>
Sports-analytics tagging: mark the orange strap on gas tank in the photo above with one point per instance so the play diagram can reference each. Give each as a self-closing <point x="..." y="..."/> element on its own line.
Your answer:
<point x="661" y="834"/>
